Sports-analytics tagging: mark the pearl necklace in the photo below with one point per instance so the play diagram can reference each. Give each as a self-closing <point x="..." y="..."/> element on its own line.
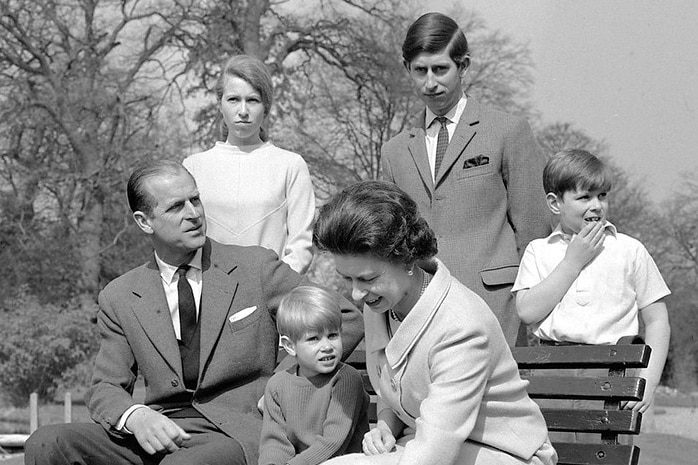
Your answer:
<point x="425" y="283"/>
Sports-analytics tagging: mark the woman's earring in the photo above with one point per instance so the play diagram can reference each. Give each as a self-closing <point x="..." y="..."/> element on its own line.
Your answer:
<point x="410" y="272"/>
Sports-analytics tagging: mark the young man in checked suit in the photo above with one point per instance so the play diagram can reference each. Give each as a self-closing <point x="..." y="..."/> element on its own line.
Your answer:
<point x="481" y="193"/>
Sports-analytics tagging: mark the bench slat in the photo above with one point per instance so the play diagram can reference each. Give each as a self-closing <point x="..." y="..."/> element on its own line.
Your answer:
<point x="593" y="421"/>
<point x="616" y="356"/>
<point x="569" y="387"/>
<point x="596" y="454"/>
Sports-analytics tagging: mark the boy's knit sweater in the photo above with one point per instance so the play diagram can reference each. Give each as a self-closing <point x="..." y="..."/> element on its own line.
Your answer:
<point x="309" y="420"/>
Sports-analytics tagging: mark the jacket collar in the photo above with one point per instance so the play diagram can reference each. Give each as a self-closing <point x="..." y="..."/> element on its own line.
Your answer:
<point x="464" y="133"/>
<point x="419" y="318"/>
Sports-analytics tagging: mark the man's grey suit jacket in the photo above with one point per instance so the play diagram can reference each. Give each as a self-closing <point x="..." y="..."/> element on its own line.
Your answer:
<point x="237" y="357"/>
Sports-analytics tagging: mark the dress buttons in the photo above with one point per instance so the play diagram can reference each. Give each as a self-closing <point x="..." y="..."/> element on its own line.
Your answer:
<point x="175" y="382"/>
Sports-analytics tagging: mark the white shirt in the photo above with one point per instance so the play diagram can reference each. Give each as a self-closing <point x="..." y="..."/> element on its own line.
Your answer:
<point x="170" y="278"/>
<point x="433" y="127"/>
<point x="602" y="304"/>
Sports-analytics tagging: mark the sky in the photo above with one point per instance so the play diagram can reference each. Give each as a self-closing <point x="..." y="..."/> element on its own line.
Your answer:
<point x="623" y="71"/>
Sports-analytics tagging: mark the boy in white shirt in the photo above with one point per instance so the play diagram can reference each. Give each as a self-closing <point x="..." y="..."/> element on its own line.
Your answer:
<point x="587" y="283"/>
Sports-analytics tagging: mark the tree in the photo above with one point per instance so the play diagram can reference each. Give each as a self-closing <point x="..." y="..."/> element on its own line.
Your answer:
<point x="40" y="344"/>
<point x="342" y="90"/>
<point x="679" y="228"/>
<point x="82" y="81"/>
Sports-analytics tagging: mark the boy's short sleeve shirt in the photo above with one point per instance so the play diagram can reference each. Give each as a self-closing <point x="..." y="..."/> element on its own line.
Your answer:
<point x="602" y="304"/>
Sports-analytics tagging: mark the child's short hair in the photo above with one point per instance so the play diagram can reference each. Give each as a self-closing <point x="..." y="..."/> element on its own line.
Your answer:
<point x="305" y="309"/>
<point x="573" y="169"/>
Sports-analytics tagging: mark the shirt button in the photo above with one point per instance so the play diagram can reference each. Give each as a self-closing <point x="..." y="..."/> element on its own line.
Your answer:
<point x="175" y="382"/>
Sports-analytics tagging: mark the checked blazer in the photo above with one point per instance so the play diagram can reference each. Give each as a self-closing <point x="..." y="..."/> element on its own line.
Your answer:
<point x="486" y="203"/>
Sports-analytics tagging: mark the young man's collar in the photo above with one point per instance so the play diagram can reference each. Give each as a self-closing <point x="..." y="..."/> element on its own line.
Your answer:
<point x="453" y="114"/>
<point x="558" y="232"/>
<point x="167" y="271"/>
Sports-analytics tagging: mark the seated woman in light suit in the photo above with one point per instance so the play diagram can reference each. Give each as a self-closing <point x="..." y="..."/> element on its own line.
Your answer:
<point x="449" y="389"/>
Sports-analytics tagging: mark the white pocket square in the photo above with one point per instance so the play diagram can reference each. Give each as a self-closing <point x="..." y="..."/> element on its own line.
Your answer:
<point x="245" y="312"/>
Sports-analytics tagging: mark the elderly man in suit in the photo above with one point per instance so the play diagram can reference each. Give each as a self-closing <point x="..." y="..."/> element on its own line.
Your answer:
<point x="197" y="321"/>
<point x="476" y="173"/>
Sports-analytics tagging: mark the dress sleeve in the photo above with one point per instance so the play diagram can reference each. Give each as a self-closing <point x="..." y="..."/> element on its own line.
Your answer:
<point x="301" y="213"/>
<point x="343" y="412"/>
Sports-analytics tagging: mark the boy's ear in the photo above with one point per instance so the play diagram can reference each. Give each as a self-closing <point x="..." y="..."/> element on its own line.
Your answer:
<point x="288" y="346"/>
<point x="553" y="202"/>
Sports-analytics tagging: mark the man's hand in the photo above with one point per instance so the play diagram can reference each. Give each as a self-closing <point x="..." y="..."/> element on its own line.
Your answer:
<point x="155" y="432"/>
<point x="586" y="245"/>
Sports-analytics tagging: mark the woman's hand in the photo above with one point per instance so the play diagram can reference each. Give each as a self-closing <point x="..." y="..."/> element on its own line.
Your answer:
<point x="380" y="440"/>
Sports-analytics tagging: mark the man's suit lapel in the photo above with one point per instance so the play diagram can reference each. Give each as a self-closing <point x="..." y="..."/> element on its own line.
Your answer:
<point x="216" y="298"/>
<point x="465" y="131"/>
<point x="416" y="145"/>
<point x="153" y="314"/>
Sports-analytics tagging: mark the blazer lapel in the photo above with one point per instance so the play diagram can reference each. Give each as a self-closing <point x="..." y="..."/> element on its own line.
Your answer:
<point x="417" y="147"/>
<point x="217" y="294"/>
<point x="419" y="318"/>
<point x="465" y="131"/>
<point x="151" y="311"/>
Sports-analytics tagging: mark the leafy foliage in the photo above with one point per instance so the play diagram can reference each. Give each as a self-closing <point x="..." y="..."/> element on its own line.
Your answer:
<point x="39" y="344"/>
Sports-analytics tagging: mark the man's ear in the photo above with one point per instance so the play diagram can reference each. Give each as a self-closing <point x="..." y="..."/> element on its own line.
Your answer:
<point x="553" y="202"/>
<point x="288" y="346"/>
<point x="143" y="222"/>
<point x="464" y="66"/>
<point x="406" y="64"/>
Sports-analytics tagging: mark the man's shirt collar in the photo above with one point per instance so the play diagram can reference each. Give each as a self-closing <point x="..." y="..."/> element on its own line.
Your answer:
<point x="453" y="115"/>
<point x="168" y="271"/>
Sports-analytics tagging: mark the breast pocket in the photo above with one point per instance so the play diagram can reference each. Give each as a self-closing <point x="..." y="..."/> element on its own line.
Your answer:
<point x="479" y="165"/>
<point x="244" y="318"/>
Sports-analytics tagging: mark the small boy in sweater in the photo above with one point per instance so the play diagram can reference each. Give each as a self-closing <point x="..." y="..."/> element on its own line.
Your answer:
<point x="317" y="409"/>
<point x="587" y="283"/>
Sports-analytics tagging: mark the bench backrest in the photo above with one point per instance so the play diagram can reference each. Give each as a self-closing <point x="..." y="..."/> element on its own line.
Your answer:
<point x="541" y="366"/>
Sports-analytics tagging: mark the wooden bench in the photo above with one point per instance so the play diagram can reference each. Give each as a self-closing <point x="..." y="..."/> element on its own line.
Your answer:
<point x="613" y="389"/>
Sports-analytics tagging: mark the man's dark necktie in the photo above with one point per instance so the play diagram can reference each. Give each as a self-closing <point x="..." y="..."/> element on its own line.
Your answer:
<point x="441" y="143"/>
<point x="189" y="330"/>
<point x="187" y="306"/>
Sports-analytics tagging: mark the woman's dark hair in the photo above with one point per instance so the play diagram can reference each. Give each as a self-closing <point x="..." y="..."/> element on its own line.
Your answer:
<point x="375" y="218"/>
